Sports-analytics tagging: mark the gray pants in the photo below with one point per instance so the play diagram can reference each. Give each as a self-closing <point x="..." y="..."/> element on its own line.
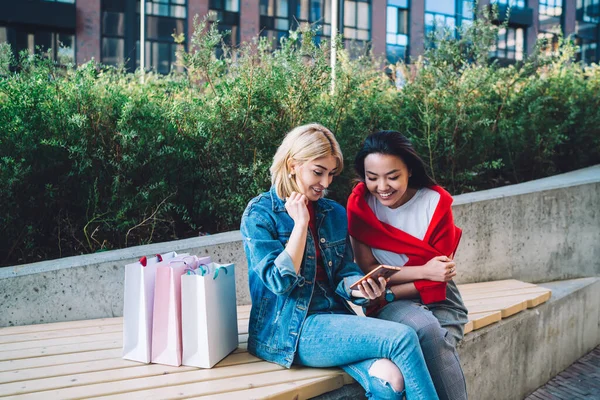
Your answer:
<point x="439" y="327"/>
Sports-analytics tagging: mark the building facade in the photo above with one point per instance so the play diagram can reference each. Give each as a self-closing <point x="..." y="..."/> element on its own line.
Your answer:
<point x="109" y="30"/>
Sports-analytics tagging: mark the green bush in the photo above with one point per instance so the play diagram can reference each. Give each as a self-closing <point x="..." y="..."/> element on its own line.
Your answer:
<point x="92" y="159"/>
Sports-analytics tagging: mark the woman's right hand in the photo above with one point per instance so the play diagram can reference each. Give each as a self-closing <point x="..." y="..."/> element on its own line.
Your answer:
<point x="296" y="206"/>
<point x="439" y="269"/>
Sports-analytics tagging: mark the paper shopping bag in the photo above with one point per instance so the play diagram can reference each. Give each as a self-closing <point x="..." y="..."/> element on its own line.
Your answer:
<point x="138" y="296"/>
<point x="209" y="315"/>
<point x="166" y="324"/>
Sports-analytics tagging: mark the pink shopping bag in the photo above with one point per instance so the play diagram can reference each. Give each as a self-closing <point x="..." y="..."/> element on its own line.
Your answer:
<point x="166" y="324"/>
<point x="138" y="303"/>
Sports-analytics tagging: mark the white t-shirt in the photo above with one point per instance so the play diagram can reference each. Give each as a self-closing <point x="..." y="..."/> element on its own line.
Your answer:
<point x="412" y="217"/>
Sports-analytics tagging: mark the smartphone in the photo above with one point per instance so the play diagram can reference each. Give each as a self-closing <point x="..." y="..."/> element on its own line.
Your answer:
<point x="384" y="271"/>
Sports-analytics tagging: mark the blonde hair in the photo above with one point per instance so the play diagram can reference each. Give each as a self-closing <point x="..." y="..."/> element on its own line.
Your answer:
<point x="302" y="144"/>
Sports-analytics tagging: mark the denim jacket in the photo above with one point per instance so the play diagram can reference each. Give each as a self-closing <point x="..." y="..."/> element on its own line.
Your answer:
<point x="280" y="297"/>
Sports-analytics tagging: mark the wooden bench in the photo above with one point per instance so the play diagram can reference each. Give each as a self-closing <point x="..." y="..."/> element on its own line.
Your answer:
<point x="82" y="359"/>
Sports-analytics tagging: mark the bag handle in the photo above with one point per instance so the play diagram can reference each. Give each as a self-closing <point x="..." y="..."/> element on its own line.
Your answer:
<point x="201" y="270"/>
<point x="220" y="267"/>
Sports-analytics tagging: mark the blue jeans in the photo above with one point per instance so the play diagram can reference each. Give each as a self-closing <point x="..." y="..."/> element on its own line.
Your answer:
<point x="355" y="343"/>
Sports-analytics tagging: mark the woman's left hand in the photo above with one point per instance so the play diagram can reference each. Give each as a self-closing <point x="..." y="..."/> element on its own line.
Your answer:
<point x="371" y="289"/>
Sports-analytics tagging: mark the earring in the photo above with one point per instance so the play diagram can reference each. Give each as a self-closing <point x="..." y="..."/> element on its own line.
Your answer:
<point x="290" y="175"/>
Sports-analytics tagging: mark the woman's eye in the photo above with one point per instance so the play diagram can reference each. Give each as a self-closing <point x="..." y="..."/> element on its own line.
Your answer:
<point x="318" y="173"/>
<point x="393" y="178"/>
<point x="372" y="179"/>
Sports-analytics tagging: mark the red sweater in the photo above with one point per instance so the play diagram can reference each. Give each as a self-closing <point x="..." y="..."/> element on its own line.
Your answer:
<point x="442" y="237"/>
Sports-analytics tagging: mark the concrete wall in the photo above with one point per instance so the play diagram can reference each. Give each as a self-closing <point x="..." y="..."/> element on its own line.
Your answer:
<point x="538" y="231"/>
<point x="510" y="359"/>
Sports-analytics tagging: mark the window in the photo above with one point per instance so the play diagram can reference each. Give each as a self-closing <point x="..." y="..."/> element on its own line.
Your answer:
<point x="439" y="16"/>
<point x="511" y="3"/>
<point x="451" y="15"/>
<point x="588" y="30"/>
<point x="161" y="49"/>
<point x="3" y="34"/>
<point x="113" y="38"/>
<point x="357" y="20"/>
<point x="60" y="1"/>
<point x="121" y="33"/>
<point x="316" y="13"/>
<point x="509" y="44"/>
<point x="397" y="31"/>
<point x="550" y="16"/>
<point x="274" y="19"/>
<point x="227" y="12"/>
<point x="166" y="8"/>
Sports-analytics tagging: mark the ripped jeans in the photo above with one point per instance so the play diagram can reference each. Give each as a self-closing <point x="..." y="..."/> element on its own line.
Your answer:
<point x="355" y="343"/>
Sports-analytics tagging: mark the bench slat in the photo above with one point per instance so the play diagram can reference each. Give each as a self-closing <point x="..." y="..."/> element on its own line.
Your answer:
<point x="298" y="390"/>
<point x="213" y="387"/>
<point x="62" y="349"/>
<point x="55" y="326"/>
<point x="92" y="330"/>
<point x="507" y="307"/>
<point x="59" y="359"/>
<point x="480" y="320"/>
<point x="32" y="344"/>
<point x="494" y="285"/>
<point x="197" y="376"/>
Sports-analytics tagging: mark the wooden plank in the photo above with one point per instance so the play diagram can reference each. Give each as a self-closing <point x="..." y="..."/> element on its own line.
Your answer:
<point x="59" y="359"/>
<point x="32" y="344"/>
<point x="92" y="330"/>
<point x="299" y="390"/>
<point x="507" y="307"/>
<point x="468" y="327"/>
<point x="531" y="300"/>
<point x="14" y="330"/>
<point x="214" y="376"/>
<point x="61" y="349"/>
<point x="494" y="285"/>
<point x="112" y="370"/>
<point x="216" y="386"/>
<point x="480" y="320"/>
<point x="65" y="369"/>
<point x="506" y="292"/>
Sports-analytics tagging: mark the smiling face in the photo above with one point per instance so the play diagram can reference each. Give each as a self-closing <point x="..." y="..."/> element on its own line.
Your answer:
<point x="315" y="176"/>
<point x="386" y="177"/>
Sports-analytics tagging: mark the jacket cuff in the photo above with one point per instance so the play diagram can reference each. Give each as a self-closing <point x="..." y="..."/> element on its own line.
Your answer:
<point x="346" y="293"/>
<point x="285" y="265"/>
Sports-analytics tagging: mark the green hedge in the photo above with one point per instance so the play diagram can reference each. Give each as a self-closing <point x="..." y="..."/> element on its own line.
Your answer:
<point x="91" y="159"/>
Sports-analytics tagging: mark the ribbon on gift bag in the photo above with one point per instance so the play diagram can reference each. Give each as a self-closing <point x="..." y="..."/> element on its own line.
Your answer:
<point x="166" y="324"/>
<point x="138" y="303"/>
<point x="209" y="315"/>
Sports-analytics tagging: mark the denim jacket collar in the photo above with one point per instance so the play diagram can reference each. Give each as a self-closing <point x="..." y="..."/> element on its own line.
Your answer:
<point x="279" y="205"/>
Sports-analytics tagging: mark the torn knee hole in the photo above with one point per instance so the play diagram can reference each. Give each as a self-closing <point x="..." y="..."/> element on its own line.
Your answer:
<point x="387" y="371"/>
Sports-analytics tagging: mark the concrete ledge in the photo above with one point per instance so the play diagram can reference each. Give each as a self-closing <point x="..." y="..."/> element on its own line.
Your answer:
<point x="537" y="231"/>
<point x="510" y="359"/>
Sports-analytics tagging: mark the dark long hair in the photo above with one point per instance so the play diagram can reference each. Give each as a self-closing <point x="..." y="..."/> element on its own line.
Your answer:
<point x="395" y="144"/>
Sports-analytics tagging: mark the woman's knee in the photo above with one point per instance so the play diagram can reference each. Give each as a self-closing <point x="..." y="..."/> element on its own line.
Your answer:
<point x="389" y="373"/>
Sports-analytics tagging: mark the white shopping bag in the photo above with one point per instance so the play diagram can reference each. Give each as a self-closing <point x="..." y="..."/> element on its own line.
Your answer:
<point x="138" y="299"/>
<point x="166" y="323"/>
<point x="209" y="315"/>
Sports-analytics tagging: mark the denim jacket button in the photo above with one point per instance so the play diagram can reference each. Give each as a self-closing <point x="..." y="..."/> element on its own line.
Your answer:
<point x="322" y="240"/>
<point x="329" y="263"/>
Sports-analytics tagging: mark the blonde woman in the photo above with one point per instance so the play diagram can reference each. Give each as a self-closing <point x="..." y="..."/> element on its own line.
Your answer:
<point x="300" y="267"/>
